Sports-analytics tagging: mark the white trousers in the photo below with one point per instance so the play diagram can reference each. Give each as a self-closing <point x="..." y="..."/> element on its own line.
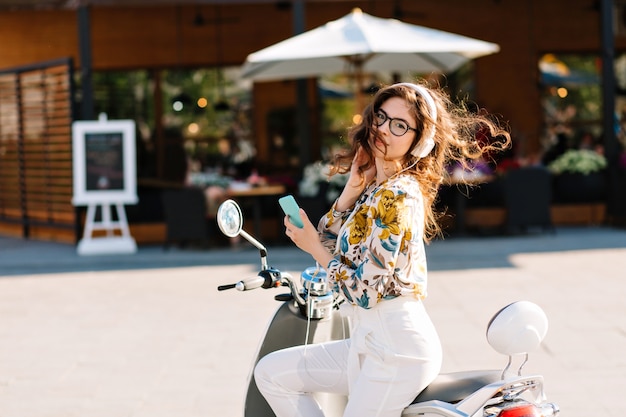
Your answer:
<point x="393" y="354"/>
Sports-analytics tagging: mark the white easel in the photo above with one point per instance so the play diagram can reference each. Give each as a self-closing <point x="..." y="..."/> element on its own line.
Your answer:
<point x="111" y="242"/>
<point x="117" y="238"/>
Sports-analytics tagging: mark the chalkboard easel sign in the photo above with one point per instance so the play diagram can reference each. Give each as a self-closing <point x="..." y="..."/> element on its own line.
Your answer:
<point x="104" y="161"/>
<point x="105" y="169"/>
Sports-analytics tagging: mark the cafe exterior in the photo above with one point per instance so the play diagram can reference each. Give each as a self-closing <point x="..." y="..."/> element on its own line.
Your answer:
<point x="173" y="67"/>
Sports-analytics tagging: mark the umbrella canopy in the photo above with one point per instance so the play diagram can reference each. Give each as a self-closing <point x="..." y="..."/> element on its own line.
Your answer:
<point x="359" y="43"/>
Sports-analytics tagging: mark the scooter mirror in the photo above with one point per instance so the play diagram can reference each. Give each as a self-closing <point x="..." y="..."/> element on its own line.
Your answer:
<point x="518" y="328"/>
<point x="229" y="218"/>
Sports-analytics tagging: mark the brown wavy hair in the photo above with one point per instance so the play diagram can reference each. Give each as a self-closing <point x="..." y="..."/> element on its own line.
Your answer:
<point x="457" y="139"/>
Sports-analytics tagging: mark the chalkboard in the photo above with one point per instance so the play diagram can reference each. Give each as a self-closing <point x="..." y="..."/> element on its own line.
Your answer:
<point x="104" y="162"/>
<point x="104" y="159"/>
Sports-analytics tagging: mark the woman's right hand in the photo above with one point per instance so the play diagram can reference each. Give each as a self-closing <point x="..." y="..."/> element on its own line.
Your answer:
<point x="360" y="179"/>
<point x="356" y="181"/>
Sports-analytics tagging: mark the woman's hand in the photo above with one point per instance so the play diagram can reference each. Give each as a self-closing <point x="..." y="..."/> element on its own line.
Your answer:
<point x="307" y="239"/>
<point x="356" y="181"/>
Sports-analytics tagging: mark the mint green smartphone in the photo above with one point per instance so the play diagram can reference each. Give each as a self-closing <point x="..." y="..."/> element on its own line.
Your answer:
<point x="291" y="209"/>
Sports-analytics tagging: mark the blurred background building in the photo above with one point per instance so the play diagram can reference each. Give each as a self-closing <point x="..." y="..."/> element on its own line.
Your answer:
<point x="174" y="66"/>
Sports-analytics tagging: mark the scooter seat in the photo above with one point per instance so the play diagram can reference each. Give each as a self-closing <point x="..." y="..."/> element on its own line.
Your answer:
<point x="455" y="386"/>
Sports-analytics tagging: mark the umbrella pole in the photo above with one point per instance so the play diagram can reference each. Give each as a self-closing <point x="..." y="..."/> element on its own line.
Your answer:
<point x="358" y="81"/>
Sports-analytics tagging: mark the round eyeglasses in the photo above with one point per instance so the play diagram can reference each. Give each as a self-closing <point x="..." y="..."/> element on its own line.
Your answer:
<point x="397" y="127"/>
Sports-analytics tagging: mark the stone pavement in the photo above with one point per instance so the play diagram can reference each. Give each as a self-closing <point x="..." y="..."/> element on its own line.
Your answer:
<point x="148" y="334"/>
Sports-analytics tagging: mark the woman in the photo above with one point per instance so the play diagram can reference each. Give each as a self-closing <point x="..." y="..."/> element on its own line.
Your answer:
<point x="371" y="243"/>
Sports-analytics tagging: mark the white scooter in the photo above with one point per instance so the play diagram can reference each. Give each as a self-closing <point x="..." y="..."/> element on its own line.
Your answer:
<point x="310" y="311"/>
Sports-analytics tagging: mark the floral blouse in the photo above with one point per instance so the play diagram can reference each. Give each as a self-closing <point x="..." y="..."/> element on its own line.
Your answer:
<point x="378" y="244"/>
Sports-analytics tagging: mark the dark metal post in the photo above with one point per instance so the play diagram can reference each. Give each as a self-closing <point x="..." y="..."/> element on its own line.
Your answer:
<point x="609" y="121"/>
<point x="21" y="158"/>
<point x="84" y="47"/>
<point x="302" y="114"/>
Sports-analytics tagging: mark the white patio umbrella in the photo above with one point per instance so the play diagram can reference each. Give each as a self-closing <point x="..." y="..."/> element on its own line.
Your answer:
<point x="360" y="43"/>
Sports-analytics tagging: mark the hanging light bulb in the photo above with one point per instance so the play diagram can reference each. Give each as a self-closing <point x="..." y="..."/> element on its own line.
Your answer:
<point x="221" y="105"/>
<point x="179" y="101"/>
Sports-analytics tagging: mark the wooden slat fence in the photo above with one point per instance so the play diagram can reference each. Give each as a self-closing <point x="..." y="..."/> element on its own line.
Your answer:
<point x="36" y="114"/>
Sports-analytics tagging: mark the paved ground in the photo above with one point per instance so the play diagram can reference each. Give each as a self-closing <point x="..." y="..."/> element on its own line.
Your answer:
<point x="149" y="335"/>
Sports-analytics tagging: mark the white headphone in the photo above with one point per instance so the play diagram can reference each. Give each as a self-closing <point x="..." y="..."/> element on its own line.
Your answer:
<point x="426" y="144"/>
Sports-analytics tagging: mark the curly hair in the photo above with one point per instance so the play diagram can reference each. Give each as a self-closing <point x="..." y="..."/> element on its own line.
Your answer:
<point x="456" y="139"/>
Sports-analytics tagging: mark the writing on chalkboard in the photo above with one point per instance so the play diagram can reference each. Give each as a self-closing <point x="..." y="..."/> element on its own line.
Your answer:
<point x="104" y="157"/>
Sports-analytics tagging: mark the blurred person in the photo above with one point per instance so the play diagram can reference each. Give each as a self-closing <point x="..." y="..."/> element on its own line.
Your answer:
<point x="587" y="141"/>
<point x="558" y="148"/>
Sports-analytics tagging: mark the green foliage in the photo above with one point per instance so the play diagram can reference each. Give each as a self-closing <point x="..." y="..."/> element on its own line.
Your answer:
<point x="191" y="85"/>
<point x="336" y="120"/>
<point x="124" y="95"/>
<point x="130" y="95"/>
<point x="581" y="161"/>
<point x="584" y="97"/>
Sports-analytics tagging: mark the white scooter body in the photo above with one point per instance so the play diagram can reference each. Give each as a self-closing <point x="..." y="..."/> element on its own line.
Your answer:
<point x="312" y="310"/>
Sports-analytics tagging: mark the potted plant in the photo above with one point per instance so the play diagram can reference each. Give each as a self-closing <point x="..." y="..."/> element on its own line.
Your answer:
<point x="579" y="176"/>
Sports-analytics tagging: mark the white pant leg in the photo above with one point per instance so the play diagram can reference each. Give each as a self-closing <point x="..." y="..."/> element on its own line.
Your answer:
<point x="399" y="354"/>
<point x="287" y="378"/>
<point x="396" y="353"/>
<point x="384" y="391"/>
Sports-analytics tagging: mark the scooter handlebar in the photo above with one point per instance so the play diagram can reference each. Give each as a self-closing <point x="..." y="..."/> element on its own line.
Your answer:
<point x="269" y="278"/>
<point x="250" y="283"/>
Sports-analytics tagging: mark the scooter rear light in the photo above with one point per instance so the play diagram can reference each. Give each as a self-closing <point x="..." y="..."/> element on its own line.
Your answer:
<point x="522" y="409"/>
